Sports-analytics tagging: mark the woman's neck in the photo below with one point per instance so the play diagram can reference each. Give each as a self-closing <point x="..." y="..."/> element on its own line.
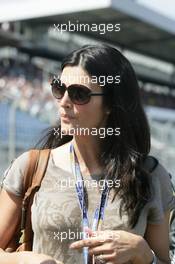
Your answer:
<point x="88" y="152"/>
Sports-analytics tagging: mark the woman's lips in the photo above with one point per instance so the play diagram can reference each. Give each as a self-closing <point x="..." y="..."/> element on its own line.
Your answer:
<point x="66" y="117"/>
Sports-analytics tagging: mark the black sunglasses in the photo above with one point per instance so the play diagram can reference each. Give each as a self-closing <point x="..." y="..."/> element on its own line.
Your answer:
<point x="78" y="94"/>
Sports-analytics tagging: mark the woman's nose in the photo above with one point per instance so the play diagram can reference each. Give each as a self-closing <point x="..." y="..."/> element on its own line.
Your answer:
<point x="65" y="100"/>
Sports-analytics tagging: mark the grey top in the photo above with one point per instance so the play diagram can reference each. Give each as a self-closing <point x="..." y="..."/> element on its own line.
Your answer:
<point x="56" y="216"/>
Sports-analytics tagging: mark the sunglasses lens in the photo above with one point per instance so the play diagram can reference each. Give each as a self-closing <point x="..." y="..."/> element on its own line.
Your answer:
<point x="58" y="88"/>
<point x="79" y="94"/>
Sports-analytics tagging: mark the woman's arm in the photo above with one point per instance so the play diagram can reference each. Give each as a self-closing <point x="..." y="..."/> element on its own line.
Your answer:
<point x="10" y="212"/>
<point x="157" y="236"/>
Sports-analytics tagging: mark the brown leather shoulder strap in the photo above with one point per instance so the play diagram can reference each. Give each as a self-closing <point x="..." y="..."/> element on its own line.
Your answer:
<point x="30" y="170"/>
<point x="41" y="167"/>
<point x="36" y="170"/>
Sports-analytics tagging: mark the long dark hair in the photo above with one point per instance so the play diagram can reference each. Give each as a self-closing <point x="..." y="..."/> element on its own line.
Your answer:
<point x="122" y="155"/>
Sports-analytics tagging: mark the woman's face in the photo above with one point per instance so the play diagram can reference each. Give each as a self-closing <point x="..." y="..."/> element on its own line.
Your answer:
<point x="90" y="115"/>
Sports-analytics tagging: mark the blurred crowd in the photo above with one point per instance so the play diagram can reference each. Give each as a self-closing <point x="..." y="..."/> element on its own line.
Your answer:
<point x="22" y="83"/>
<point x="152" y="98"/>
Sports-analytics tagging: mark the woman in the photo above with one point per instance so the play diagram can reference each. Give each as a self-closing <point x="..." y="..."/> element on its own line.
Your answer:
<point x="132" y="218"/>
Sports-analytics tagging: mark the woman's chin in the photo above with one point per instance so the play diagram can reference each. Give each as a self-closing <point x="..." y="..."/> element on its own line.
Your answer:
<point x="66" y="129"/>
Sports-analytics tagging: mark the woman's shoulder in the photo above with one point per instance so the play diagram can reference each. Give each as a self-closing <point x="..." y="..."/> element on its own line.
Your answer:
<point x="156" y="169"/>
<point x="162" y="184"/>
<point x="13" y="176"/>
<point x="163" y="198"/>
<point x="159" y="175"/>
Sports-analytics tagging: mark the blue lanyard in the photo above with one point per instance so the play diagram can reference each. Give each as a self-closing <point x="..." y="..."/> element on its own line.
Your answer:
<point x="99" y="211"/>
